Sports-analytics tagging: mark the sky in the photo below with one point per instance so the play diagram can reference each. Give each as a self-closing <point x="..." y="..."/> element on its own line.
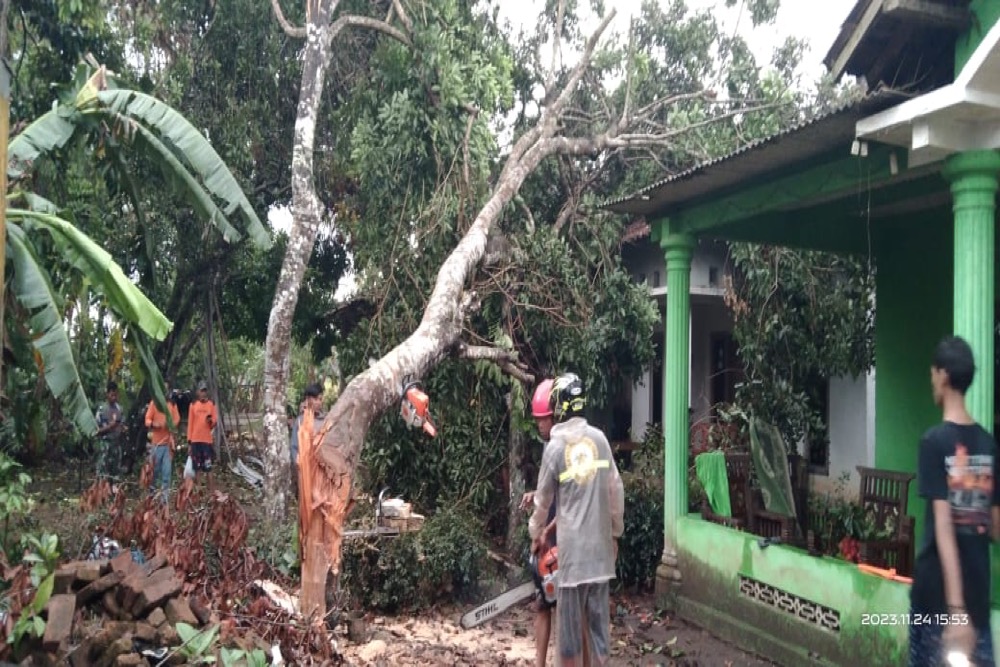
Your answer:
<point x="816" y="21"/>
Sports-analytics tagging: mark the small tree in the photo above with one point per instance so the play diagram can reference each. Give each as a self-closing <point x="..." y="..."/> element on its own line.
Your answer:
<point x="800" y="318"/>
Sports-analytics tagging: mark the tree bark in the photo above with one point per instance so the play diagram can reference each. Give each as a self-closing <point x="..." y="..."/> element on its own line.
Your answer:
<point x="5" y="86"/>
<point x="517" y="455"/>
<point x="307" y="211"/>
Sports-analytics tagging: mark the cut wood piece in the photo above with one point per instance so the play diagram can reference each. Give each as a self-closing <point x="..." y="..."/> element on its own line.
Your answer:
<point x="59" y="625"/>
<point x="155" y="594"/>
<point x="123" y="563"/>
<point x="497" y="605"/>
<point x="133" y="586"/>
<point x="96" y="588"/>
<point x="179" y="611"/>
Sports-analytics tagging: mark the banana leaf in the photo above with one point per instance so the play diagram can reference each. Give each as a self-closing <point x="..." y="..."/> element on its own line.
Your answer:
<point x="50" y="132"/>
<point x="201" y="200"/>
<point x="81" y="252"/>
<point x="32" y="287"/>
<point x="193" y="147"/>
<point x="178" y="147"/>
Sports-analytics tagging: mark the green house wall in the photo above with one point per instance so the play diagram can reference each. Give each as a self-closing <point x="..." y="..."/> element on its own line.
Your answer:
<point x="913" y="311"/>
<point x="986" y="13"/>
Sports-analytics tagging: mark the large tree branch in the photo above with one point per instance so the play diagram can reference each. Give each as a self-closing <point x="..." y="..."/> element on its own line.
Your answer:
<point x="547" y="122"/>
<point x="290" y="30"/>
<point x="354" y="21"/>
<point x="403" y="18"/>
<point x="556" y="40"/>
<point x="350" y="20"/>
<point x="506" y="359"/>
<point x="611" y="139"/>
<point x="646" y="112"/>
<point x="628" y="73"/>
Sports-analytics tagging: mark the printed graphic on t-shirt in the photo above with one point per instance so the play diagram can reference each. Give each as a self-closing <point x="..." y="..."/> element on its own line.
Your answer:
<point x="581" y="461"/>
<point x="970" y="490"/>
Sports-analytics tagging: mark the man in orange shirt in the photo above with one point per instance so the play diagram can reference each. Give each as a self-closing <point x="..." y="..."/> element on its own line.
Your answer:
<point x="202" y="418"/>
<point x="162" y="442"/>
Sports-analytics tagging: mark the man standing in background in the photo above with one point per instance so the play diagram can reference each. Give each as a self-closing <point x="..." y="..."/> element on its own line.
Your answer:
<point x="110" y="429"/>
<point x="162" y="443"/>
<point x="202" y="418"/>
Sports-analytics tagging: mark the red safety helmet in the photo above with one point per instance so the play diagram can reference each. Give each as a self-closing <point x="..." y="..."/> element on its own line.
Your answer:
<point x="540" y="401"/>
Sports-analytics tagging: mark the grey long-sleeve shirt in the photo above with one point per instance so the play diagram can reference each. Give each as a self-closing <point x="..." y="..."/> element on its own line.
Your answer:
<point x="578" y="464"/>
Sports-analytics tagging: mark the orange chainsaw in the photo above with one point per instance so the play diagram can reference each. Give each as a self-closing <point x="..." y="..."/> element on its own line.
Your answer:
<point x="415" y="408"/>
<point x="546" y="575"/>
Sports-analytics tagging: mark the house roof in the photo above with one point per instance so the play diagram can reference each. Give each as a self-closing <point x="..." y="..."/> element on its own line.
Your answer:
<point x="758" y="159"/>
<point x="900" y="43"/>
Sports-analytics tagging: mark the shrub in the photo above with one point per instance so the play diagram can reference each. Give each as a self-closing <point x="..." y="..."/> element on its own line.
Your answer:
<point x="447" y="557"/>
<point x="641" y="545"/>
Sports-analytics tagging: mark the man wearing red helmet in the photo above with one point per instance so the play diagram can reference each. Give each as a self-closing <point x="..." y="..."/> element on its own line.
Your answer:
<point x="542" y="413"/>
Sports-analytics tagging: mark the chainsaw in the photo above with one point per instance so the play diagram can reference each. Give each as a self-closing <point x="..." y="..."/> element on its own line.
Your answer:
<point x="546" y="569"/>
<point x="414" y="408"/>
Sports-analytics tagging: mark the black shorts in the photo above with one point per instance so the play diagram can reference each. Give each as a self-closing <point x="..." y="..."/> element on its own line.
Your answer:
<point x="201" y="456"/>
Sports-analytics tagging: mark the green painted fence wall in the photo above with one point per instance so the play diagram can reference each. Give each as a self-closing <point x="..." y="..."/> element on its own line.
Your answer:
<point x="712" y="557"/>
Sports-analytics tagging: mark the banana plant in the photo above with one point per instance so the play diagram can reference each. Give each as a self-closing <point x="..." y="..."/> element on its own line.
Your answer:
<point x="32" y="286"/>
<point x="113" y="119"/>
<point x="119" y="118"/>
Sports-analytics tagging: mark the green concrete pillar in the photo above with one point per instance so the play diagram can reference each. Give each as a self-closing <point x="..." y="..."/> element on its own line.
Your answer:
<point x="678" y="249"/>
<point x="973" y="178"/>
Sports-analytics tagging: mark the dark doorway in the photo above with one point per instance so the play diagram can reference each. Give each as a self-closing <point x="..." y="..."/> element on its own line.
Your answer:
<point x="656" y="378"/>
<point x="726" y="371"/>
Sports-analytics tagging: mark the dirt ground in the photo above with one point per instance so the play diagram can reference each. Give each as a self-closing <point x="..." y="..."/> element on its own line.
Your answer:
<point x="640" y="634"/>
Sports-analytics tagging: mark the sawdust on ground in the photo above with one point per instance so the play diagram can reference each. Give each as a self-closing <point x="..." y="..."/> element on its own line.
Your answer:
<point x="640" y="636"/>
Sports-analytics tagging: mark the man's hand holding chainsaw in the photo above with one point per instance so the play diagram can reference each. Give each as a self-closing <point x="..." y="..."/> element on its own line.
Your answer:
<point x="538" y="544"/>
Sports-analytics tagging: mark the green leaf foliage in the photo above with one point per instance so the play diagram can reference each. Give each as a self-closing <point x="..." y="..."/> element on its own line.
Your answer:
<point x="32" y="287"/>
<point x="84" y="255"/>
<point x="800" y="318"/>
<point x="158" y="119"/>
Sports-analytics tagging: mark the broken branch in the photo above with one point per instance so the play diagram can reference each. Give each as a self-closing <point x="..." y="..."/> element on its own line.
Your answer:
<point x="505" y="359"/>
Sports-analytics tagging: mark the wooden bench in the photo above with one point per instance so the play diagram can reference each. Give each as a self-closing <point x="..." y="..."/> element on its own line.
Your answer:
<point x="748" y="511"/>
<point x="887" y="493"/>
<point x="791" y="529"/>
<point x="738" y="466"/>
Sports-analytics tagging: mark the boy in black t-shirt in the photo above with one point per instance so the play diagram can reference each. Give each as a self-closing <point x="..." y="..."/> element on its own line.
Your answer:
<point x="950" y="598"/>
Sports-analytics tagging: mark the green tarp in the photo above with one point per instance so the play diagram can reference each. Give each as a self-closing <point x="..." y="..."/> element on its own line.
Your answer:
<point x="711" y="470"/>
<point x="770" y="462"/>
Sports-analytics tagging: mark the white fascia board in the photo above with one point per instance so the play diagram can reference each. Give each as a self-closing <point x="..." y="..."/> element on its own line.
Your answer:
<point x="881" y="124"/>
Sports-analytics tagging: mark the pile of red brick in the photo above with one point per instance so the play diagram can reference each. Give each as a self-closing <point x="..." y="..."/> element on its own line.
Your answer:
<point x="143" y="601"/>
